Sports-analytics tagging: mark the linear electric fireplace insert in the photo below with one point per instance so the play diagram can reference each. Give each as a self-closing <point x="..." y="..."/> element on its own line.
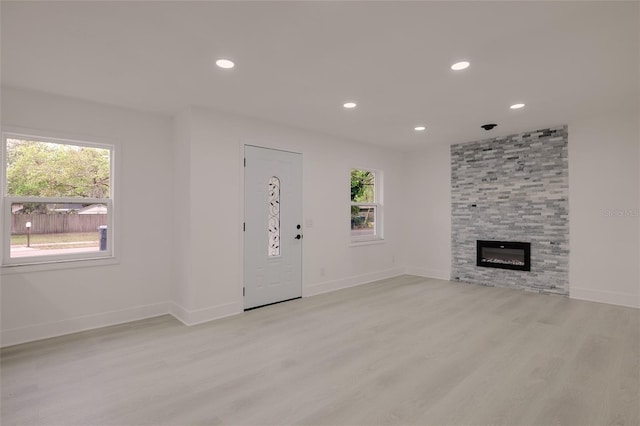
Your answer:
<point x="504" y="254"/>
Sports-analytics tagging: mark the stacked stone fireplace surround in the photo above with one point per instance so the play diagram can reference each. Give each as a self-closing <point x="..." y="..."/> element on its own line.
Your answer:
<point x="513" y="188"/>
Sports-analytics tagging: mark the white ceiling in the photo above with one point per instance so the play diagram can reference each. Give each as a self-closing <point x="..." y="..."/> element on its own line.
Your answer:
<point x="297" y="62"/>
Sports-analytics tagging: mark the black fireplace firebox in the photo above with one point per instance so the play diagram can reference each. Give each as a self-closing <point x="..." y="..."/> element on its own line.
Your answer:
<point x="504" y="255"/>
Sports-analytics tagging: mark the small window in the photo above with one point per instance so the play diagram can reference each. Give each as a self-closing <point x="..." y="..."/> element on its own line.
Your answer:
<point x="273" y="222"/>
<point x="366" y="206"/>
<point x="57" y="200"/>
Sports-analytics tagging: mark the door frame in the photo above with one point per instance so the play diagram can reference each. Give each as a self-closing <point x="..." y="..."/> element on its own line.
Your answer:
<point x="241" y="145"/>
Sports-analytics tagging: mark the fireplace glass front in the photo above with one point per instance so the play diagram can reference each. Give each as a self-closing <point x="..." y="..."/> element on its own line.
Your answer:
<point x="504" y="255"/>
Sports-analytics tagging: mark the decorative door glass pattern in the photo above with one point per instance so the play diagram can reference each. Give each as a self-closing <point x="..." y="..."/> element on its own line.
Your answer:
<point x="274" y="216"/>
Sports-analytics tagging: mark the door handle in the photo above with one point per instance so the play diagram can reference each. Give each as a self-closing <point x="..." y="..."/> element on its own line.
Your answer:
<point x="298" y="237"/>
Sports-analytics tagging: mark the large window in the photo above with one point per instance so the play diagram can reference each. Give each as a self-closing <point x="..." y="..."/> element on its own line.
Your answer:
<point x="57" y="200"/>
<point x="366" y="206"/>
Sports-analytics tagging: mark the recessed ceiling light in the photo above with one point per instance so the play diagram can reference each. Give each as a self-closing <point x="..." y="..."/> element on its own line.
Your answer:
<point x="349" y="105"/>
<point x="225" y="63"/>
<point x="419" y="128"/>
<point x="516" y="106"/>
<point x="460" y="66"/>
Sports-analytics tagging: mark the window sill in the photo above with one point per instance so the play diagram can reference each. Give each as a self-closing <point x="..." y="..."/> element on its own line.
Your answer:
<point x="359" y="243"/>
<point x="57" y="265"/>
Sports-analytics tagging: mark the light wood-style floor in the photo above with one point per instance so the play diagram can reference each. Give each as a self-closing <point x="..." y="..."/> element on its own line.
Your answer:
<point x="406" y="350"/>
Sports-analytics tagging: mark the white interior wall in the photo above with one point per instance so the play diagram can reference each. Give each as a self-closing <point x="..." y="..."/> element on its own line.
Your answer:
<point x="216" y="189"/>
<point x="604" y="183"/>
<point x="427" y="245"/>
<point x="36" y="305"/>
<point x="180" y="203"/>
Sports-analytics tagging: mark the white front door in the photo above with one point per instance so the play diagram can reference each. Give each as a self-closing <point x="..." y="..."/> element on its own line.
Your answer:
<point x="273" y="226"/>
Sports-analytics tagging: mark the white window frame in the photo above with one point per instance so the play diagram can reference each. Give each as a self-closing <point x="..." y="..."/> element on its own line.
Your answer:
<point x="7" y="201"/>
<point x="377" y="204"/>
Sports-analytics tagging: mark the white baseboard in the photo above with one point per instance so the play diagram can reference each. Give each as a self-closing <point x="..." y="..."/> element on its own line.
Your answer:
<point x="428" y="273"/>
<point x="328" y="286"/>
<point x="610" y="297"/>
<point x="31" y="333"/>
<point x="199" y="316"/>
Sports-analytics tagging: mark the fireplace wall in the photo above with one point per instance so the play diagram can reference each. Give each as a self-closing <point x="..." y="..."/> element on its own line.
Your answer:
<point x="512" y="188"/>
